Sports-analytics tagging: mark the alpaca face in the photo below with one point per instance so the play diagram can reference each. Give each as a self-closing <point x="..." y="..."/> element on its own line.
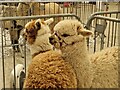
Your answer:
<point x="18" y="69"/>
<point x="30" y="32"/>
<point x="68" y="32"/>
<point x="36" y="28"/>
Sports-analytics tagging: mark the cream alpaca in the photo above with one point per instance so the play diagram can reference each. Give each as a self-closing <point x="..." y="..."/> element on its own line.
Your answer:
<point x="99" y="70"/>
<point x="18" y="69"/>
<point x="70" y="36"/>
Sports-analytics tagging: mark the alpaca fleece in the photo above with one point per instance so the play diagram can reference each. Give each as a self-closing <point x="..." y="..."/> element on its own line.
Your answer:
<point x="49" y="70"/>
<point x="99" y="70"/>
<point x="69" y="37"/>
<point x="106" y="68"/>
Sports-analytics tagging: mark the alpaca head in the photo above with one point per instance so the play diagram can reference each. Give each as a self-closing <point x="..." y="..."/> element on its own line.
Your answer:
<point x="36" y="28"/>
<point x="68" y="32"/>
<point x="18" y="69"/>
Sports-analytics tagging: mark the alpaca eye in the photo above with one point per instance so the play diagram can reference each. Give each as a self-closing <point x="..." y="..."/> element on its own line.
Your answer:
<point x="65" y="35"/>
<point x="26" y="30"/>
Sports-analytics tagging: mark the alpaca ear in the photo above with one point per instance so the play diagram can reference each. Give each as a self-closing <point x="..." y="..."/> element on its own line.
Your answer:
<point x="86" y="33"/>
<point x="38" y="24"/>
<point x="49" y="21"/>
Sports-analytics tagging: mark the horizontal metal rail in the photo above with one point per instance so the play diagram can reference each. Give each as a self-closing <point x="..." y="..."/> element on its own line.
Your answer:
<point x="105" y="12"/>
<point x="88" y="24"/>
<point x="36" y="17"/>
<point x="39" y="16"/>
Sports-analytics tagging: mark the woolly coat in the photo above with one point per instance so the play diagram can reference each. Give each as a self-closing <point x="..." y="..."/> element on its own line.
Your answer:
<point x="106" y="68"/>
<point x="49" y="70"/>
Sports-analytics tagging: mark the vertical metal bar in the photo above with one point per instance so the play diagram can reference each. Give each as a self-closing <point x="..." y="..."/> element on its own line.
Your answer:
<point x="33" y="9"/>
<point x="99" y="6"/>
<point x="14" y="69"/>
<point x="13" y="45"/>
<point x="63" y="9"/>
<point x="95" y="36"/>
<point x="21" y="9"/>
<point x="25" y="57"/>
<point x="119" y="43"/>
<point x="88" y="40"/>
<point x="76" y="8"/>
<point x="87" y="10"/>
<point x="16" y="10"/>
<point x="72" y="8"/>
<point x="54" y="8"/>
<point x="95" y="7"/>
<point x="91" y="8"/>
<point x="55" y="12"/>
<point x="10" y="13"/>
<point x="4" y="13"/>
<point x="115" y="30"/>
<point x="108" y="33"/>
<point x="102" y="43"/>
<point x="49" y="8"/>
<point x="3" y="67"/>
<point x="79" y="6"/>
<point x="84" y="12"/>
<point x="112" y="33"/>
<point x="44" y="9"/>
<point x="39" y="7"/>
<point x="68" y="8"/>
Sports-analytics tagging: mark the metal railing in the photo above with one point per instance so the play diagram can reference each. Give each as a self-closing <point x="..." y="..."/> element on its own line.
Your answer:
<point x="106" y="27"/>
<point x="13" y="56"/>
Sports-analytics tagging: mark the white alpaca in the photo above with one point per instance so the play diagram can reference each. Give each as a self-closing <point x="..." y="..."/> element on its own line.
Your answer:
<point x="47" y="69"/>
<point x="18" y="69"/>
<point x="98" y="70"/>
<point x="74" y="49"/>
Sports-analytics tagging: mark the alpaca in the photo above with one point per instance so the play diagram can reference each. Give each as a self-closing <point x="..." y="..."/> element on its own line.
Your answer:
<point x="19" y="68"/>
<point x="71" y="41"/>
<point x="48" y="69"/>
<point x="15" y="34"/>
<point x="92" y="70"/>
<point x="23" y="9"/>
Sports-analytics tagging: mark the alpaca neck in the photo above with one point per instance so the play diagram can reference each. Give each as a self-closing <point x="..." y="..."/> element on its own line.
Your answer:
<point x="77" y="55"/>
<point x="41" y="45"/>
<point x="78" y="48"/>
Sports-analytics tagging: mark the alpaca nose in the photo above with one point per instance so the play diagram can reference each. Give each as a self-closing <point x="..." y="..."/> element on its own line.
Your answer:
<point x="51" y="40"/>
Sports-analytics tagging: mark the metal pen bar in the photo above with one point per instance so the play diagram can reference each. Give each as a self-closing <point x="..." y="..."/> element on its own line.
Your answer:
<point x="88" y="25"/>
<point x="95" y="44"/>
<point x="108" y="33"/>
<point x="115" y="31"/>
<point x="112" y="33"/>
<point x="39" y="16"/>
<point x="105" y="12"/>
<point x="3" y="60"/>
